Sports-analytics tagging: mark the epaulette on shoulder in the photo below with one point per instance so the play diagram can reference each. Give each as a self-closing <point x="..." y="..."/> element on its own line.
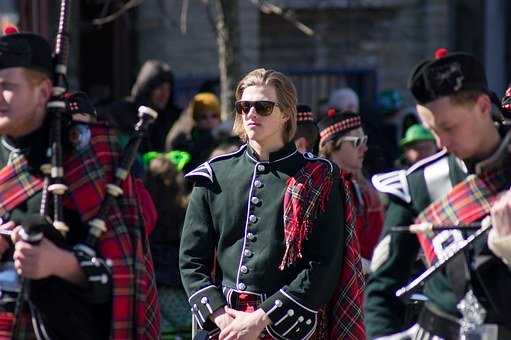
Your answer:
<point x="393" y="183"/>
<point x="426" y="161"/>
<point x="205" y="170"/>
<point x="310" y="156"/>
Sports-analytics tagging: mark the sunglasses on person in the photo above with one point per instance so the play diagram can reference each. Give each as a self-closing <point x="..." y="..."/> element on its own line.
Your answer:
<point x="355" y="141"/>
<point x="262" y="107"/>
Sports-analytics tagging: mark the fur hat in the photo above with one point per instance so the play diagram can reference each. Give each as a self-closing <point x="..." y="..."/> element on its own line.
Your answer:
<point x="26" y="50"/>
<point x="446" y="74"/>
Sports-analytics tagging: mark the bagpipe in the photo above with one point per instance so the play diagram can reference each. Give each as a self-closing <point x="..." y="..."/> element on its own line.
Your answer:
<point x="465" y="208"/>
<point x="47" y="302"/>
<point x="450" y="231"/>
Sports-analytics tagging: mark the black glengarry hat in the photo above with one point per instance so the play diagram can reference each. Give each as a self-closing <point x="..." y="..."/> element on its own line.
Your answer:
<point x="445" y="75"/>
<point x="26" y="50"/>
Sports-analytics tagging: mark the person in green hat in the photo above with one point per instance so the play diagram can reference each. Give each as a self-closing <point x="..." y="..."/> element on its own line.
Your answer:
<point x="418" y="143"/>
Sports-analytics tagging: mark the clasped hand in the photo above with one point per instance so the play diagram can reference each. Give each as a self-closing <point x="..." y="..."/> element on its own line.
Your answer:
<point x="241" y="325"/>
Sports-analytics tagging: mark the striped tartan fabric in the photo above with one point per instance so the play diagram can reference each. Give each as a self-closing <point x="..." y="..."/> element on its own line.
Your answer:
<point x="17" y="184"/>
<point x="345" y="313"/>
<point x="306" y="195"/>
<point x="135" y="312"/>
<point x="469" y="201"/>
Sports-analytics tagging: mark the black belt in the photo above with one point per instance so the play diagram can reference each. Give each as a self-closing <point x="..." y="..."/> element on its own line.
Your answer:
<point x="447" y="328"/>
<point x="438" y="325"/>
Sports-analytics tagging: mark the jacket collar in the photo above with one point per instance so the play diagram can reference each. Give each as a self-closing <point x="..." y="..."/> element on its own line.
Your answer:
<point x="283" y="153"/>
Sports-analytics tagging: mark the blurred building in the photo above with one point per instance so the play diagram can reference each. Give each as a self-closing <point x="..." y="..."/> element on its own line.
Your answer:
<point x="369" y="45"/>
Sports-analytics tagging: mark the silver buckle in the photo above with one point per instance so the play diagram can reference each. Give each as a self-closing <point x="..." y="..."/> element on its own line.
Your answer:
<point x="474" y="315"/>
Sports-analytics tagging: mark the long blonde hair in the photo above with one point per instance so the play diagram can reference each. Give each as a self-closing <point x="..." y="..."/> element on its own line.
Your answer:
<point x="286" y="97"/>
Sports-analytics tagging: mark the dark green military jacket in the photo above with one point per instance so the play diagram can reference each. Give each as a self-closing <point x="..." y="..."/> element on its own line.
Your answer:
<point x="410" y="192"/>
<point x="236" y="209"/>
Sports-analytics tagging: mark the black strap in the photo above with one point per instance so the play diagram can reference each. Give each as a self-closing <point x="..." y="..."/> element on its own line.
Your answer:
<point x="459" y="275"/>
<point x="437" y="325"/>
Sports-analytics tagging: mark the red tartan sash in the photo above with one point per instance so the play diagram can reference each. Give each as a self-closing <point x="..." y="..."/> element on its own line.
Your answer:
<point x="345" y="311"/>
<point x="135" y="313"/>
<point x="469" y="201"/>
<point x="306" y="195"/>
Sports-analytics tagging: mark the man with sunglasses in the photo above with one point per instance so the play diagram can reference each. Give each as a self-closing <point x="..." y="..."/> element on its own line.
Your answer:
<point x="454" y="102"/>
<point x="266" y="211"/>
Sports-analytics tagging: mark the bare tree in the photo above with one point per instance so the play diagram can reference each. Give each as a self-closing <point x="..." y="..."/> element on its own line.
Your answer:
<point x="228" y="41"/>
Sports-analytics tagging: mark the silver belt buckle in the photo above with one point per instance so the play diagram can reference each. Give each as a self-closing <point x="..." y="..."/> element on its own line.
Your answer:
<point x="472" y="322"/>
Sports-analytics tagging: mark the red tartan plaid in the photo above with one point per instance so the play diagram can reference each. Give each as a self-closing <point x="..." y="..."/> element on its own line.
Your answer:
<point x="245" y="303"/>
<point x="249" y="303"/>
<point x="6" y="321"/>
<point x="306" y="195"/>
<point x="17" y="184"/>
<point x="135" y="312"/>
<point x="469" y="201"/>
<point x="370" y="220"/>
<point x="345" y="313"/>
<point x="343" y="317"/>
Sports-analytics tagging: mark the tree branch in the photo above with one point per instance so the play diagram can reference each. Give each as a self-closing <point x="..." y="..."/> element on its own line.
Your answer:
<point x="126" y="7"/>
<point x="286" y="13"/>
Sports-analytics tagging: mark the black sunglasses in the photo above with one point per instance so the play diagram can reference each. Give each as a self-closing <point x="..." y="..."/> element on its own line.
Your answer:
<point x="262" y="107"/>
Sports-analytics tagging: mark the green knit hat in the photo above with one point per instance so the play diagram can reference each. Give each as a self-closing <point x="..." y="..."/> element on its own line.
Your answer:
<point x="416" y="133"/>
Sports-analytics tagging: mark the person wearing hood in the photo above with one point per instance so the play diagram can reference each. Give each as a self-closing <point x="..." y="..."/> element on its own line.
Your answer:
<point x="154" y="88"/>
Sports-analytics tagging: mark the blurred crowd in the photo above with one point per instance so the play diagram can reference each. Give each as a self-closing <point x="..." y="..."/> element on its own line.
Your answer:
<point x="389" y="137"/>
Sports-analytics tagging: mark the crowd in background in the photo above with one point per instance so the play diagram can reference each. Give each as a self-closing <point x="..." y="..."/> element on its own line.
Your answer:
<point x="389" y="137"/>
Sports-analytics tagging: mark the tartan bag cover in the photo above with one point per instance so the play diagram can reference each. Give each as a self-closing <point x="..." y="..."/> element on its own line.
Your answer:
<point x="135" y="312"/>
<point x="469" y="201"/>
